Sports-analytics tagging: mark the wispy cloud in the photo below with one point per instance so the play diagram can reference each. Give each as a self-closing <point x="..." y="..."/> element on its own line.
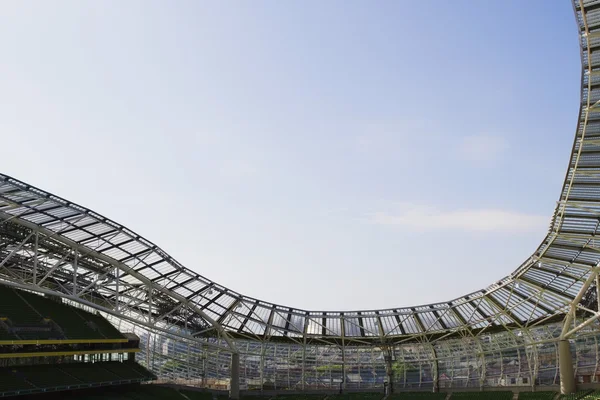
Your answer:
<point x="425" y="218"/>
<point x="482" y="148"/>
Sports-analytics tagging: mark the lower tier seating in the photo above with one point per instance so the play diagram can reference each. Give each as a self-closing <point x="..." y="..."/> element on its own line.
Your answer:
<point x="300" y="397"/>
<point x="537" y="395"/>
<point x="418" y="396"/>
<point x="357" y="396"/>
<point x="197" y="395"/>
<point x="41" y="378"/>
<point x="582" y="395"/>
<point x="482" y="396"/>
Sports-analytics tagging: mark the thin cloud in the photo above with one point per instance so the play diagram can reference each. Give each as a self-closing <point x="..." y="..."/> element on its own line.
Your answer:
<point x="482" y="148"/>
<point x="423" y="218"/>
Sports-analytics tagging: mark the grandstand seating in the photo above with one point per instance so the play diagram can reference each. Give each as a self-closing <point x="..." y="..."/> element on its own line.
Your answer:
<point x="153" y="392"/>
<point x="137" y="392"/>
<point x="595" y="395"/>
<point x="304" y="396"/>
<point x="418" y="396"/>
<point x="90" y="373"/>
<point x="582" y="395"/>
<point x="482" y="396"/>
<point x="537" y="395"/>
<point x="76" y="324"/>
<point x="356" y="396"/>
<point x="125" y="370"/>
<point x="197" y="395"/>
<point x="28" y="316"/>
<point x="36" y="378"/>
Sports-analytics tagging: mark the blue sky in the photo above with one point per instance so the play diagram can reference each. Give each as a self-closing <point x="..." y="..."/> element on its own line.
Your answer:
<point x="322" y="155"/>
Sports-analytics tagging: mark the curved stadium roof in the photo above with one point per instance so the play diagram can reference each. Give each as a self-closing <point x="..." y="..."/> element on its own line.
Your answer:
<point x="539" y="290"/>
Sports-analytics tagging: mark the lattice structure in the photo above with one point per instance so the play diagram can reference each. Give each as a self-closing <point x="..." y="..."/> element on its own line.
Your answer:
<point x="54" y="246"/>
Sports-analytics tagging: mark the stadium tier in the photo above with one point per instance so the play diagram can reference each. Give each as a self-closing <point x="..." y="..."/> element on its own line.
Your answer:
<point x="27" y="316"/>
<point x="30" y="379"/>
<point x="535" y="330"/>
<point x="537" y="395"/>
<point x="482" y="396"/>
<point x="418" y="396"/>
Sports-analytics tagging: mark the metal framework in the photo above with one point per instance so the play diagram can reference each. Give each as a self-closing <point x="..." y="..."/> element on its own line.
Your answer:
<point x="52" y="245"/>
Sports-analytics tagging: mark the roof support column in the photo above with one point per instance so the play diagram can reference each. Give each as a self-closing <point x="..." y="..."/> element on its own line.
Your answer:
<point x="263" y="350"/>
<point x="434" y="368"/>
<point x="303" y="363"/>
<point x="388" y="356"/>
<point x="565" y="362"/>
<point x="234" y="382"/>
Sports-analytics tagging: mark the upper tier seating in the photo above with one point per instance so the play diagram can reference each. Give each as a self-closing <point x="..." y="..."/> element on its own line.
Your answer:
<point x="28" y="316"/>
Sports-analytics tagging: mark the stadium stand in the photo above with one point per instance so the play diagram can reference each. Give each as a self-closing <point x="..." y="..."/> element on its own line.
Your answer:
<point x="418" y="396"/>
<point x="537" y="395"/>
<point x="595" y="395"/>
<point x="124" y="392"/>
<point x="303" y="396"/>
<point x="482" y="396"/>
<point x="30" y="379"/>
<point x="28" y="316"/>
<point x="582" y="395"/>
<point x="198" y="395"/>
<point x="356" y="396"/>
<point x="43" y="341"/>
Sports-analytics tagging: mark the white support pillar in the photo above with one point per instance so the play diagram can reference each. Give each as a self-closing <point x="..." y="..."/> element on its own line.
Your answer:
<point x="303" y="364"/>
<point x="234" y="382"/>
<point x="262" y="365"/>
<point x="35" y="260"/>
<point x="565" y="362"/>
<point x="75" y="263"/>
<point x="118" y="290"/>
<point x="435" y="370"/>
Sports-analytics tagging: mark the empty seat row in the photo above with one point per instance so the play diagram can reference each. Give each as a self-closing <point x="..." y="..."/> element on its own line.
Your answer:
<point x="537" y="395"/>
<point x="22" y="312"/>
<point x="418" y="396"/>
<point x="482" y="396"/>
<point x="63" y="376"/>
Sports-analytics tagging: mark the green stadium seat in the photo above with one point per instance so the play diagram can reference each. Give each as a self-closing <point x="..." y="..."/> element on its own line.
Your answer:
<point x="197" y="394"/>
<point x="537" y="395"/>
<point x="29" y="316"/>
<point x="44" y="377"/>
<point x="582" y="395"/>
<point x="418" y="396"/>
<point x="13" y="382"/>
<point x="482" y="395"/>
<point x="68" y="376"/>
<point x="14" y="309"/>
<point x="127" y="370"/>
<point x="357" y="396"/>
<point x="90" y="373"/>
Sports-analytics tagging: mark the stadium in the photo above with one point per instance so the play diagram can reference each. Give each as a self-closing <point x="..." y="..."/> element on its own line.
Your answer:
<point x="90" y="309"/>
